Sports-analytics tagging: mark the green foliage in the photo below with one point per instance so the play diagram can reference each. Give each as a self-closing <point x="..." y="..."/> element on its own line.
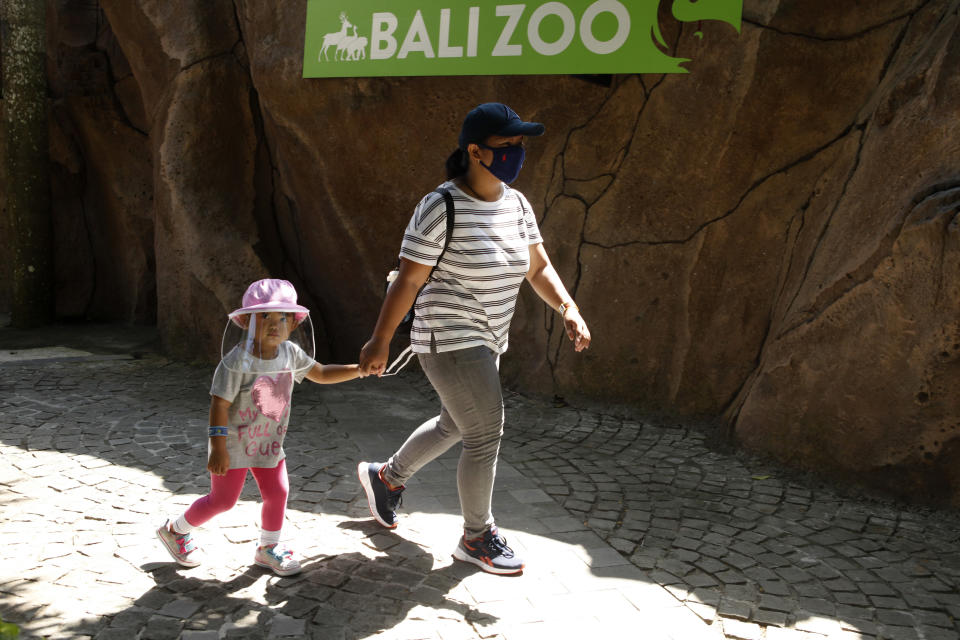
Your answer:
<point x="8" y="630"/>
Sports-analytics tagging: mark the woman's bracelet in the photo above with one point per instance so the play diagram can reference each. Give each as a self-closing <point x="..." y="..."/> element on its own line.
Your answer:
<point x="568" y="305"/>
<point x="218" y="431"/>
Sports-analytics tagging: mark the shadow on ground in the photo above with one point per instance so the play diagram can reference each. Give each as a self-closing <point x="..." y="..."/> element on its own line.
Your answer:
<point x="736" y="541"/>
<point x="348" y="595"/>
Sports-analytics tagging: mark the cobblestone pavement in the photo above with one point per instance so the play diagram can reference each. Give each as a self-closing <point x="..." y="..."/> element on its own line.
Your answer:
<point x="629" y="528"/>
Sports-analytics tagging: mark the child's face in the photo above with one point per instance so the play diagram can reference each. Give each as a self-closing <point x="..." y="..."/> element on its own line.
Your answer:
<point x="271" y="329"/>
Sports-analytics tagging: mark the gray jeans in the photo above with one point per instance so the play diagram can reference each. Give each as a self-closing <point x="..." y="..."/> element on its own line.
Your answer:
<point x="468" y="383"/>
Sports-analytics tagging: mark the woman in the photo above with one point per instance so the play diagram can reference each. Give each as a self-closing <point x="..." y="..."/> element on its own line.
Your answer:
<point x="462" y="321"/>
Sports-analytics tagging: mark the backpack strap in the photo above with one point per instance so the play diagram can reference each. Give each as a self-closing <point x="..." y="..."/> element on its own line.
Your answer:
<point x="401" y="360"/>
<point x="451" y="218"/>
<point x="523" y="215"/>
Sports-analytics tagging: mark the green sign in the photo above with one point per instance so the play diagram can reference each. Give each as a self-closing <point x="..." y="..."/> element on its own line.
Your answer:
<point x="362" y="38"/>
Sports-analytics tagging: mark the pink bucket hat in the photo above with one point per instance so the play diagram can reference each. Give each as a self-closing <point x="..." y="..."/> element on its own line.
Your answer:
<point x="271" y="294"/>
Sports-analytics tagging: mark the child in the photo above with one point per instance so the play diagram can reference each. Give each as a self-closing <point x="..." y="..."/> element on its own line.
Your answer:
<point x="267" y="345"/>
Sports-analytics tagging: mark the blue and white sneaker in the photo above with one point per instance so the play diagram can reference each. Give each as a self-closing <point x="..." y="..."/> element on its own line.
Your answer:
<point x="381" y="498"/>
<point x="489" y="552"/>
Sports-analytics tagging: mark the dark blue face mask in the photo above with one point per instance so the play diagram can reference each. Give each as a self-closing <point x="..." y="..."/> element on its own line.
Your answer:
<point x="507" y="162"/>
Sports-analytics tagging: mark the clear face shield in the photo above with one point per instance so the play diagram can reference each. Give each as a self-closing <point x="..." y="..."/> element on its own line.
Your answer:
<point x="268" y="342"/>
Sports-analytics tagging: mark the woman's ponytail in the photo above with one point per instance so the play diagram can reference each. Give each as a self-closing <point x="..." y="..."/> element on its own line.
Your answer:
<point x="457" y="164"/>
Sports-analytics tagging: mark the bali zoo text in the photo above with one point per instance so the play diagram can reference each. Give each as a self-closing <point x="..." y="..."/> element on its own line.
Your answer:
<point x="385" y="30"/>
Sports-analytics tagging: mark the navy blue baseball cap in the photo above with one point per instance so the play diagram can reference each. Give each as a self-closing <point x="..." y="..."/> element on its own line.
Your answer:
<point x="495" y="119"/>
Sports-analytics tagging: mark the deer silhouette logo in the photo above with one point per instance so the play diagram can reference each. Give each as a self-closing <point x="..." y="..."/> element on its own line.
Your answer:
<point x="347" y="43"/>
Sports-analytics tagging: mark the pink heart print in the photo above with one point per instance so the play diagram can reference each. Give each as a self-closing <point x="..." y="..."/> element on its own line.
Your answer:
<point x="272" y="396"/>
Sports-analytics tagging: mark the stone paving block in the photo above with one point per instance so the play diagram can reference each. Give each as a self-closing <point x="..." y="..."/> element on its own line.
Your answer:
<point x="773" y="560"/>
<point x="770" y="618"/>
<point x="734" y="609"/>
<point x="920" y="600"/>
<point x="813" y="623"/>
<point x="858" y="624"/>
<point x="876" y="589"/>
<point x="895" y="618"/>
<point x="684" y="555"/>
<point x="818" y="605"/>
<point x="934" y="619"/>
<point x="584" y="538"/>
<point x="778" y="633"/>
<point x="698" y="579"/>
<point x="731" y="578"/>
<point x="852" y="599"/>
<point x="687" y="543"/>
<point x="646" y="558"/>
<point x="739" y="561"/>
<point x="712" y="550"/>
<point x="285" y="626"/>
<point x="850" y="635"/>
<point x="674" y="566"/>
<point x="705" y="612"/>
<point x="938" y="633"/>
<point x="709" y="596"/>
<point x="812" y="590"/>
<point x="777" y="603"/>
<point x="709" y="565"/>
<point x="741" y="630"/>
<point x="888" y="603"/>
<point x="775" y="588"/>
<point x="245" y="633"/>
<point x="760" y="574"/>
<point x="162" y="628"/>
<point x="887" y="632"/>
<point x="823" y="571"/>
<point x="154" y="599"/>
<point x="119" y="634"/>
<point x="180" y="608"/>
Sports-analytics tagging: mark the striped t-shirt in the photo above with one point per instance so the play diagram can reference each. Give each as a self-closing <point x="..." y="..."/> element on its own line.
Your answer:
<point x="470" y="298"/>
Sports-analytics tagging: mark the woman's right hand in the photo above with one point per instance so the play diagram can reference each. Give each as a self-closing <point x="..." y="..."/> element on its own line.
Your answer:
<point x="219" y="461"/>
<point x="374" y="356"/>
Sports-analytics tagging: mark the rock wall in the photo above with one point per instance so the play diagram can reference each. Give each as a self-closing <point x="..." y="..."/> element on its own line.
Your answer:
<point x="772" y="237"/>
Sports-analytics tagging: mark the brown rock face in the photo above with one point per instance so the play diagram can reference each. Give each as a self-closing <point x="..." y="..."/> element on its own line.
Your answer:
<point x="772" y="237"/>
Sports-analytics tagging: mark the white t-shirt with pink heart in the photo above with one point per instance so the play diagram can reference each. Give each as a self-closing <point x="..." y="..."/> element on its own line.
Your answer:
<point x="259" y="392"/>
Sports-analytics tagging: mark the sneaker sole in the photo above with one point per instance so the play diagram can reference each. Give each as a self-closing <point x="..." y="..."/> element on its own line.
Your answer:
<point x="181" y="562"/>
<point x="279" y="572"/>
<point x="460" y="555"/>
<point x="364" y="475"/>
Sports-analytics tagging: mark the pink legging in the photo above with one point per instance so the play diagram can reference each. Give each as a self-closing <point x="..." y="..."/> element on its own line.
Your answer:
<point x="225" y="491"/>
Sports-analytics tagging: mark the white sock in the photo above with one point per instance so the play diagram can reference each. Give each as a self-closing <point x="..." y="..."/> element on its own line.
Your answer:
<point x="180" y="525"/>
<point x="269" y="537"/>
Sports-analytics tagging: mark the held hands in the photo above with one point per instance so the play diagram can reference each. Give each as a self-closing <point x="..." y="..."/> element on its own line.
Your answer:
<point x="576" y="328"/>
<point x="374" y="356"/>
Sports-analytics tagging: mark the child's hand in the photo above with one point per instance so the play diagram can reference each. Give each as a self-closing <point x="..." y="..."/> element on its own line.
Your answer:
<point x="219" y="462"/>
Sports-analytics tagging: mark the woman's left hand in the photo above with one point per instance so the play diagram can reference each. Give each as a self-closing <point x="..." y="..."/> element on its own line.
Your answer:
<point x="373" y="357"/>
<point x="576" y="328"/>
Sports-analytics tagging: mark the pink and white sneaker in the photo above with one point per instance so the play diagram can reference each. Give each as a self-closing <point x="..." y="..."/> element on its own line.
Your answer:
<point x="180" y="545"/>
<point x="277" y="558"/>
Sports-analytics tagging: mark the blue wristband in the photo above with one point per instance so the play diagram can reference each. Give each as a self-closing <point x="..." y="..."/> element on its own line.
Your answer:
<point x="218" y="431"/>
